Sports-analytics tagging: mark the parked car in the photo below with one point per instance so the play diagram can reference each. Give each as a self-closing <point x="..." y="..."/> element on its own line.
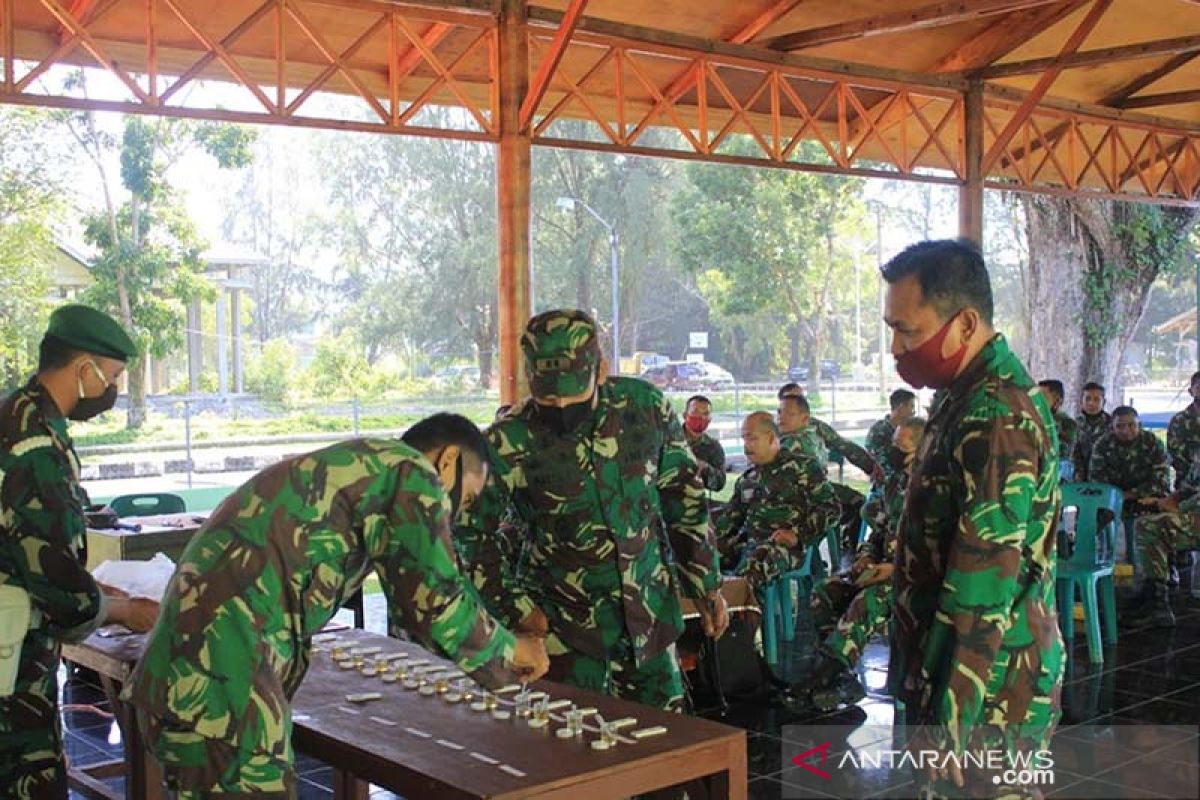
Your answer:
<point x="689" y="376"/>
<point x="456" y="376"/>
<point x="829" y="371"/>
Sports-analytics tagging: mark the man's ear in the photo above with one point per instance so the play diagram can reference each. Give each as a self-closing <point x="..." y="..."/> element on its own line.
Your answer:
<point x="969" y="324"/>
<point x="446" y="462"/>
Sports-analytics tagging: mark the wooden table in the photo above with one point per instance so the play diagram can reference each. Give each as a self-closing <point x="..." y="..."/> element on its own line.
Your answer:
<point x="163" y="533"/>
<point x="375" y="742"/>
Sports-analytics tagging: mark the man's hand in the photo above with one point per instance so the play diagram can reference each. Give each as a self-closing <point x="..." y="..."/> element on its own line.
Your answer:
<point x="1154" y="502"/>
<point x="714" y="614"/>
<point x="136" y="613"/>
<point x="860" y="565"/>
<point x="530" y="659"/>
<point x="785" y="537"/>
<point x="534" y="624"/>
<point x="877" y="474"/>
<point x="1168" y="504"/>
<point x="876" y="573"/>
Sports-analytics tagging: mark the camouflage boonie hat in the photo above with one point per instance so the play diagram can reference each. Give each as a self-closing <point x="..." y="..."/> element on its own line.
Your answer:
<point x="561" y="352"/>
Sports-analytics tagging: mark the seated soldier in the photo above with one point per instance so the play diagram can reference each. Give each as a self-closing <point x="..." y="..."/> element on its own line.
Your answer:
<point x="1159" y="537"/>
<point x="710" y="456"/>
<point x="780" y="506"/>
<point x="1068" y="429"/>
<point x="903" y="404"/>
<point x="848" y="608"/>
<point x="1132" y="459"/>
<point x="1092" y="423"/>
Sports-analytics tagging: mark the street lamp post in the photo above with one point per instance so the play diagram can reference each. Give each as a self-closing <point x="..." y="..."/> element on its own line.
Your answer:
<point x="568" y="204"/>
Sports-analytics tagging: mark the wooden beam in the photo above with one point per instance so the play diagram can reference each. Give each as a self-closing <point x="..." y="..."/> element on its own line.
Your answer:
<point x="513" y="169"/>
<point x="931" y="16"/>
<point x="1133" y="170"/>
<point x="1088" y="58"/>
<point x="80" y="9"/>
<point x="1003" y="36"/>
<point x="766" y="19"/>
<point x="970" y="194"/>
<point x="1039" y="90"/>
<point x="558" y="48"/>
<point x="688" y="47"/>
<point x="1142" y="81"/>
<point x="1164" y="99"/>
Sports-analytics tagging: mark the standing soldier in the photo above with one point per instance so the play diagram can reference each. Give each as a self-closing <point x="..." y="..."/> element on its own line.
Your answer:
<point x="710" y="456"/>
<point x="1092" y="423"/>
<point x="976" y="653"/>
<point x="47" y="596"/>
<point x="599" y="470"/>
<point x="270" y="568"/>
<point x="780" y="505"/>
<point x="903" y="405"/>
<point x="1183" y="435"/>
<point x="1068" y="429"/>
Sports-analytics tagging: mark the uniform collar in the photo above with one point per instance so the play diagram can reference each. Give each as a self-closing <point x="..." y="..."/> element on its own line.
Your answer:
<point x="994" y="359"/>
<point x="49" y="410"/>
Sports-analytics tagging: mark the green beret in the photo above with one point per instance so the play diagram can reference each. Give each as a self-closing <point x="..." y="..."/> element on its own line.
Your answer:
<point x="561" y="353"/>
<point x="91" y="331"/>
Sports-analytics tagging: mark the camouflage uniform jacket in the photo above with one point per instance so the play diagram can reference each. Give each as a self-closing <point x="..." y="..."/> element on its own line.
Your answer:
<point x="601" y="504"/>
<point x="879" y="442"/>
<point x="842" y="446"/>
<point x="42" y="549"/>
<point x="1087" y="430"/>
<point x="789" y="493"/>
<point x="883" y="513"/>
<point x="1183" y="441"/>
<point x="1139" y="467"/>
<point x="707" y="449"/>
<point x="976" y="637"/>
<point x="281" y="555"/>
<point x="1068" y="433"/>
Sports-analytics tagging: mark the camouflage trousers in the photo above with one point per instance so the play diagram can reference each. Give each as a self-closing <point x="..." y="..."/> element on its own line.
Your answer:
<point x="31" y="752"/>
<point x="1159" y="536"/>
<point x="656" y="683"/>
<point x="869" y="611"/>
<point x="766" y="561"/>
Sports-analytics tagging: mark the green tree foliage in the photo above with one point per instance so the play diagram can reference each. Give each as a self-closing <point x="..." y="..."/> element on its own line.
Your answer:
<point x="773" y="233"/>
<point x="271" y="372"/>
<point x="29" y="202"/>
<point x="339" y="368"/>
<point x="148" y="265"/>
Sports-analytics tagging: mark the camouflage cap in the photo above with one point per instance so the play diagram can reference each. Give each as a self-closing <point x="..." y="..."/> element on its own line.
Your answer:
<point x="91" y="331"/>
<point x="561" y="352"/>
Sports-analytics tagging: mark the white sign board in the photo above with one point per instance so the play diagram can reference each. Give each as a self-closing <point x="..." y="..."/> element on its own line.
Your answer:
<point x="695" y="358"/>
<point x="698" y="340"/>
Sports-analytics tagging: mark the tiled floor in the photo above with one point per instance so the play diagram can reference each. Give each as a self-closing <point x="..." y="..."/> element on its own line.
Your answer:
<point x="1149" y="677"/>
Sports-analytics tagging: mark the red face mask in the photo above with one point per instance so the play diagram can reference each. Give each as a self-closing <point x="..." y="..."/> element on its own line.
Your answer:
<point x="696" y="424"/>
<point x="925" y="366"/>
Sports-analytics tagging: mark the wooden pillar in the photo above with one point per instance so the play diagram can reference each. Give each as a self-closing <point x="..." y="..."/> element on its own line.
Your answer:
<point x="970" y="193"/>
<point x="512" y="188"/>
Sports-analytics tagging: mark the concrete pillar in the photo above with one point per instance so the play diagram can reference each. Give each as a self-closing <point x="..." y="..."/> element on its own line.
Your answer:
<point x="195" y="351"/>
<point x="235" y="321"/>
<point x="222" y="344"/>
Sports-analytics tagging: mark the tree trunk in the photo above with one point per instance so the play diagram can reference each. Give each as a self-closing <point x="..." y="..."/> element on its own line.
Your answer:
<point x="136" y="415"/>
<point x="1091" y="266"/>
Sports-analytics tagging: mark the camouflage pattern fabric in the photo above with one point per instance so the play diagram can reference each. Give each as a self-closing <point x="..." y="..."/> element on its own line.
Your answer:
<point x="1140" y="466"/>
<point x="656" y="683"/>
<point x="561" y="352"/>
<point x="879" y="442"/>
<point x="1068" y="433"/>
<point x="42" y="550"/>
<point x="603" y="503"/>
<point x="709" y="451"/>
<point x="512" y="541"/>
<point x="836" y="443"/>
<point x="868" y="613"/>
<point x="808" y="443"/>
<point x="1088" y="430"/>
<point x="267" y="571"/>
<point x="1160" y="536"/>
<point x="976" y="652"/>
<point x="1183" y="442"/>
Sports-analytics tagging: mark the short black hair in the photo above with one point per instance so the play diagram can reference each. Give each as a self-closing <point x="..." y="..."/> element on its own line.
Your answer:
<point x="788" y="388"/>
<point x="442" y="430"/>
<point x="1054" y="385"/>
<point x="951" y="273"/>
<point x="1195" y="377"/>
<point x="1092" y="386"/>
<point x="696" y="398"/>
<point x="54" y="353"/>
<point x="900" y="397"/>
<point x="801" y="402"/>
<point x="1124" y="411"/>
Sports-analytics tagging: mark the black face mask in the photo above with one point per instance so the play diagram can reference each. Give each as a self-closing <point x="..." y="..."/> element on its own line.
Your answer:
<point x="88" y="407"/>
<point x="564" y="419"/>
<point x="455" y="493"/>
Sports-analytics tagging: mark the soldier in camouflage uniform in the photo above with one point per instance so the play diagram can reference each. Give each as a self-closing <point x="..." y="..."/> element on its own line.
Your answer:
<point x="1132" y="459"/>
<point x="976" y="654"/>
<point x="42" y="539"/>
<point x="270" y="568"/>
<point x="1068" y="430"/>
<point x="1183" y="435"/>
<point x="833" y="441"/>
<point x="1160" y="537"/>
<point x="599" y="469"/>
<point x="710" y="456"/>
<point x="780" y="505"/>
<point x="1092" y="423"/>
<point x="903" y="405"/>
<point x="851" y="607"/>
